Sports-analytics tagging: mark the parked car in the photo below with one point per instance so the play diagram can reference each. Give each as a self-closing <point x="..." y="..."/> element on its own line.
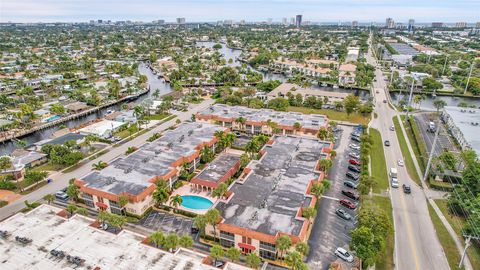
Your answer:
<point x="387" y="143"/>
<point x="354" y="168"/>
<point x="355" y="134"/>
<point x="354" y="146"/>
<point x="343" y="214"/>
<point x="354" y="161"/>
<point x="400" y="163"/>
<point x="348" y="204"/>
<point x="237" y="134"/>
<point x="356" y="139"/>
<point x="407" y="189"/>
<point x="344" y="254"/>
<point x="353" y="176"/>
<point x="354" y="155"/>
<point x="394" y="183"/>
<point x="60" y="195"/>
<point x="350" y="184"/>
<point x="351" y="195"/>
<point x="384" y="101"/>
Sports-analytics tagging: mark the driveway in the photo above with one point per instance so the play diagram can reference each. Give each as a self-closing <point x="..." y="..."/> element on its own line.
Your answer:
<point x="330" y="231"/>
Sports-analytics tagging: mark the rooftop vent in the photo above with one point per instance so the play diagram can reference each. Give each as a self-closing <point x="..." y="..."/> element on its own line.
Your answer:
<point x="463" y="110"/>
<point x="181" y="138"/>
<point x="110" y="179"/>
<point x="190" y="132"/>
<point x="145" y="159"/>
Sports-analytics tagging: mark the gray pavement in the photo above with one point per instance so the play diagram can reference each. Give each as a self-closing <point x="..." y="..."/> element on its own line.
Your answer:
<point x="330" y="231"/>
<point x="60" y="180"/>
<point x="416" y="243"/>
<point x="444" y="140"/>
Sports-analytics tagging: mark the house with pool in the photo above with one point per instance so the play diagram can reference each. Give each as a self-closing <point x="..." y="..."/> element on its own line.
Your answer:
<point x="135" y="175"/>
<point x="267" y="200"/>
<point x="264" y="121"/>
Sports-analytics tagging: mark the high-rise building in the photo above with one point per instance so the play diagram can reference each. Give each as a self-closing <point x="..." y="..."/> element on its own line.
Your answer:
<point x="269" y="20"/>
<point x="389" y="23"/>
<point x="437" y="24"/>
<point x="181" y="20"/>
<point x="477" y="25"/>
<point x="298" y="21"/>
<point x="355" y="24"/>
<point x="292" y="21"/>
<point x="284" y="21"/>
<point x="460" y="25"/>
<point x="411" y="25"/>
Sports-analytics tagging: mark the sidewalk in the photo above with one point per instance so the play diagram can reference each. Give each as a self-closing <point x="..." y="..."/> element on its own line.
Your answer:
<point x="428" y="194"/>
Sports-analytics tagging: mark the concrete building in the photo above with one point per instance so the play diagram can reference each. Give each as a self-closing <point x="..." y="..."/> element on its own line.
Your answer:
<point x="352" y="54"/>
<point x="217" y="172"/>
<point x="181" y="20"/>
<point x="347" y="74"/>
<point x="314" y="68"/>
<point x="268" y="198"/>
<point x="389" y="23"/>
<point x="284" y="21"/>
<point x="411" y="25"/>
<point x="437" y="24"/>
<point x="258" y="121"/>
<point x="354" y="24"/>
<point x="103" y="129"/>
<point x="48" y="229"/>
<point x="464" y="125"/>
<point x="135" y="175"/>
<point x="460" y="25"/>
<point x="298" y="20"/>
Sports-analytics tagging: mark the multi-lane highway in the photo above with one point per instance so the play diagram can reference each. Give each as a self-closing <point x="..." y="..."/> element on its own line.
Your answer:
<point x="416" y="243"/>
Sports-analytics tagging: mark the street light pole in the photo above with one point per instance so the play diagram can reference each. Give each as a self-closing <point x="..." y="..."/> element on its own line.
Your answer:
<point x="468" y="80"/>
<point x="467" y="244"/>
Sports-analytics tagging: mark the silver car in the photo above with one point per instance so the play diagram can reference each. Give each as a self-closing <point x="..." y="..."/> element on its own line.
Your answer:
<point x="344" y="254"/>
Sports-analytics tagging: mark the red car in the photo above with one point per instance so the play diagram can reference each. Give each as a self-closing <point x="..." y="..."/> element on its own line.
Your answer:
<point x="354" y="162"/>
<point x="348" y="204"/>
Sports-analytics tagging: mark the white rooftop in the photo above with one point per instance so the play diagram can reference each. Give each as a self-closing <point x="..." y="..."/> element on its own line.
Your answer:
<point x="467" y="120"/>
<point x="76" y="238"/>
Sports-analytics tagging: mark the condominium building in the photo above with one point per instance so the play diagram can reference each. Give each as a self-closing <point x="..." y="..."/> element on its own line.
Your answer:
<point x="135" y="175"/>
<point x="314" y="68"/>
<point x="347" y="74"/>
<point x="268" y="198"/>
<point x="298" y="20"/>
<point x="464" y="125"/>
<point x="266" y="121"/>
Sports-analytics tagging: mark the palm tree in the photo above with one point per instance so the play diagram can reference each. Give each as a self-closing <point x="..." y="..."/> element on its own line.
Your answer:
<point x="212" y="216"/>
<point x="302" y="248"/>
<point x="206" y="154"/>
<point x="294" y="260"/>
<point x="158" y="238"/>
<point x="251" y="147"/>
<point x="71" y="208"/>
<point x="82" y="211"/>
<point x="233" y="254"/>
<point x="99" y="165"/>
<point x="317" y="190"/>
<point x="200" y="222"/>
<point x="244" y="160"/>
<point x="309" y="213"/>
<point x="323" y="133"/>
<point x="171" y="242"/>
<point x="241" y="121"/>
<point x="253" y="260"/>
<point x="160" y="195"/>
<point x="220" y="190"/>
<point x="175" y="201"/>
<point x="325" y="164"/>
<point x="297" y="126"/>
<point x="216" y="252"/>
<point x="417" y="99"/>
<point x="283" y="243"/>
<point x="186" y="241"/>
<point x="123" y="201"/>
<point x="49" y="198"/>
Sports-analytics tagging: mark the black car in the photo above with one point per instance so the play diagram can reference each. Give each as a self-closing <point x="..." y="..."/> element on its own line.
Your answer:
<point x="407" y="189"/>
<point x="355" y="139"/>
<point x="387" y="143"/>
<point x="354" y="168"/>
<point x="351" y="195"/>
<point x="350" y="184"/>
<point x="351" y="175"/>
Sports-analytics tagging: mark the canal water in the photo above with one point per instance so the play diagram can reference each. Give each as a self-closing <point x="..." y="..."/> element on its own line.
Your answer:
<point x="427" y="103"/>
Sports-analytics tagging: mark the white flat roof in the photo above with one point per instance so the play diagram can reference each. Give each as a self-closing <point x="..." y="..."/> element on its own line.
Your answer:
<point x="467" y="121"/>
<point x="76" y="238"/>
<point x="101" y="127"/>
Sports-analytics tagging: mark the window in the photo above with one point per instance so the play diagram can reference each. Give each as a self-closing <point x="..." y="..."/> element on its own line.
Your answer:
<point x="267" y="246"/>
<point x="226" y="243"/>
<point x="89" y="203"/>
<point x="86" y="196"/>
<point x="246" y="240"/>
<point x="115" y="211"/>
<point x="268" y="255"/>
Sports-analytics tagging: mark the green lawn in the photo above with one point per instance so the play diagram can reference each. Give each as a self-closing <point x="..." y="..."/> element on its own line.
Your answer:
<point x="333" y="115"/>
<point x="155" y="116"/>
<point x="416" y="145"/>
<point x="406" y="154"/>
<point x="379" y="167"/>
<point x="448" y="244"/>
<point x="385" y="258"/>
<point x="48" y="167"/>
<point x="126" y="132"/>
<point x="457" y="224"/>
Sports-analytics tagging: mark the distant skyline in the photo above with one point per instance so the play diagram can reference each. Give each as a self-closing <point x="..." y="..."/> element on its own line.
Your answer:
<point x="449" y="11"/>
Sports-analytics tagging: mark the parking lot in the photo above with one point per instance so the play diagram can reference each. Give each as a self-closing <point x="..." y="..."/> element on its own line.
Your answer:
<point x="330" y="231"/>
<point x="167" y="223"/>
<point x="444" y="141"/>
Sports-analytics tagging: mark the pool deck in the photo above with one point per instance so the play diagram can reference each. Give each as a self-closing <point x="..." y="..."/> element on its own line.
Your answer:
<point x="188" y="189"/>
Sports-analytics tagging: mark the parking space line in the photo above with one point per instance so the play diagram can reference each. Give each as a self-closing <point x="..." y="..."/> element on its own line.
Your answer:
<point x="330" y="198"/>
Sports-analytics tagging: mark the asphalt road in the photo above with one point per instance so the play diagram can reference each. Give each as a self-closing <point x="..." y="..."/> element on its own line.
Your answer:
<point x="416" y="243"/>
<point x="330" y="231"/>
<point x="60" y="180"/>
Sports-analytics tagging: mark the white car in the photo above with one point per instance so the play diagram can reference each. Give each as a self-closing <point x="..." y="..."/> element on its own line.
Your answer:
<point x="344" y="254"/>
<point x="400" y="163"/>
<point x="394" y="182"/>
<point x="354" y="146"/>
<point x="392" y="128"/>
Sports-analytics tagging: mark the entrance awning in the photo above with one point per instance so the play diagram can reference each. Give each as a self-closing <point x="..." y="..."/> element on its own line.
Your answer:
<point x="246" y="246"/>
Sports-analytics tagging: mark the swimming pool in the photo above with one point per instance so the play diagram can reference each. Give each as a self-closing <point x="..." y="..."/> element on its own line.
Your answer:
<point x="196" y="202"/>
<point x="51" y="118"/>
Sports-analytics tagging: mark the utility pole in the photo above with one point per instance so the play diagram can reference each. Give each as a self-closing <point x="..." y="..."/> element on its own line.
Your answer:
<point x="430" y="157"/>
<point x="468" y="80"/>
<point x="410" y="96"/>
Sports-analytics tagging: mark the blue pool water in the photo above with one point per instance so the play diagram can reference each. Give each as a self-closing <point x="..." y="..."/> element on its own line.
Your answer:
<point x="196" y="202"/>
<point x="51" y="118"/>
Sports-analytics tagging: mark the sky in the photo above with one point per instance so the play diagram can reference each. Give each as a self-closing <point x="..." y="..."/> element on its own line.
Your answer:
<point x="249" y="10"/>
